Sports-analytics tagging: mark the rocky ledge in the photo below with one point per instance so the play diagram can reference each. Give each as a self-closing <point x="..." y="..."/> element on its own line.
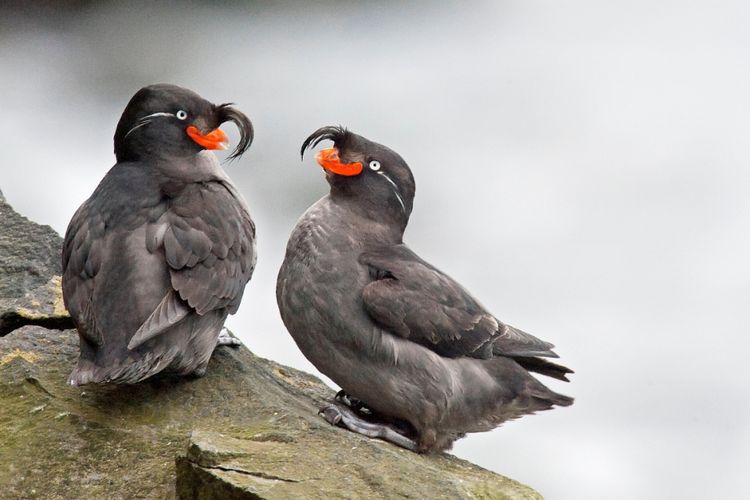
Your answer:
<point x="248" y="429"/>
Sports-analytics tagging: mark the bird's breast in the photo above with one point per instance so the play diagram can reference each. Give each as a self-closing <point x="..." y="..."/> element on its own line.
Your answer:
<point x="322" y="252"/>
<point x="320" y="283"/>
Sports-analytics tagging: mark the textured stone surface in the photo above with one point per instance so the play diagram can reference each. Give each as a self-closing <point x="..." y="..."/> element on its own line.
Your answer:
<point x="29" y="253"/>
<point x="272" y="466"/>
<point x="29" y="273"/>
<point x="248" y="429"/>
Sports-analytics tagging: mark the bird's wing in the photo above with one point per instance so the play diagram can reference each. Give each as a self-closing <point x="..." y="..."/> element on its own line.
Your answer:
<point x="416" y="301"/>
<point x="171" y="310"/>
<point x="209" y="244"/>
<point x="82" y="255"/>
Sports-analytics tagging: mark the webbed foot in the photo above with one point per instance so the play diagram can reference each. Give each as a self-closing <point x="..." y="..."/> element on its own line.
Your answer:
<point x="340" y="414"/>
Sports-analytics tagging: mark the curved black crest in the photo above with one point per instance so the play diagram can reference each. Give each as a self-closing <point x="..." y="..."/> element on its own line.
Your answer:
<point x="226" y="113"/>
<point x="335" y="133"/>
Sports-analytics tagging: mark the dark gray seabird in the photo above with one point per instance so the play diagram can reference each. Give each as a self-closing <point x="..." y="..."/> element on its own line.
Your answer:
<point x="159" y="255"/>
<point x="419" y="360"/>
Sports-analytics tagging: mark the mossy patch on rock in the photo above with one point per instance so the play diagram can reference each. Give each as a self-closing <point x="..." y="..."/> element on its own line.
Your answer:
<point x="242" y="428"/>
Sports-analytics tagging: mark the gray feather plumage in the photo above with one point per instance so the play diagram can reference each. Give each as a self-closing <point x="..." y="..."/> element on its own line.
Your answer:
<point x="170" y="311"/>
<point x="419" y="302"/>
<point x="392" y="330"/>
<point x="137" y="263"/>
<point x="129" y="248"/>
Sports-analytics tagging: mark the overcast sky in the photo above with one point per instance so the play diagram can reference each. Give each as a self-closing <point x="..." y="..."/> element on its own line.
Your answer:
<point x="582" y="167"/>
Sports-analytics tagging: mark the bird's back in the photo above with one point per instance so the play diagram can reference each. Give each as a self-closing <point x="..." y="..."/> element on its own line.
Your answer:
<point x="116" y="271"/>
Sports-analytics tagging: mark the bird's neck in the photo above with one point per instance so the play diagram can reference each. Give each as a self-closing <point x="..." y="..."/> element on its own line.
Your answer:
<point x="201" y="167"/>
<point x="371" y="214"/>
<point x="368" y="226"/>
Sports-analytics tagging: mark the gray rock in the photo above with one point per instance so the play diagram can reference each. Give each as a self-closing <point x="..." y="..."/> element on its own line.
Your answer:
<point x="248" y="429"/>
<point x="29" y="253"/>
<point x="30" y="271"/>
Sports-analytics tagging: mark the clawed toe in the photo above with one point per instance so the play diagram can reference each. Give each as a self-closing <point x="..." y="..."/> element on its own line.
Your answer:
<point x="331" y="414"/>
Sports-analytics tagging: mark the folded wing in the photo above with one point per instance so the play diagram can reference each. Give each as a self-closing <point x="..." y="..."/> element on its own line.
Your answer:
<point x="208" y="239"/>
<point x="416" y="301"/>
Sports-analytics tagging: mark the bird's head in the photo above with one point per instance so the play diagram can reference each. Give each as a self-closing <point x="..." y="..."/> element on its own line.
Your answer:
<point x="370" y="176"/>
<point x="167" y="120"/>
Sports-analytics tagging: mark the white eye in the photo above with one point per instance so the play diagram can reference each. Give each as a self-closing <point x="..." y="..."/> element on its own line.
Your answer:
<point x="375" y="165"/>
<point x="181" y="114"/>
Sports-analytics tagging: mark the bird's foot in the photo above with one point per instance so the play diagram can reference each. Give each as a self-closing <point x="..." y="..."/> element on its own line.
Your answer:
<point x="227" y="338"/>
<point x="401" y="426"/>
<point x="342" y="415"/>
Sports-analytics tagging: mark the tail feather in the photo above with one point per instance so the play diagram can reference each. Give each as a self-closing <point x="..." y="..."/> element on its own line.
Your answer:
<point x="87" y="372"/>
<point x="544" y="367"/>
<point x="551" y="398"/>
<point x="544" y="398"/>
<point x="184" y="348"/>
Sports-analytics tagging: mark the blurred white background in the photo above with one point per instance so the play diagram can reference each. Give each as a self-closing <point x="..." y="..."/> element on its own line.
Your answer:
<point x="582" y="167"/>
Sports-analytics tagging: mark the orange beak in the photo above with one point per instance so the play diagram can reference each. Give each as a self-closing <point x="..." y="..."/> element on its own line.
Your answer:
<point x="216" y="139"/>
<point x="329" y="160"/>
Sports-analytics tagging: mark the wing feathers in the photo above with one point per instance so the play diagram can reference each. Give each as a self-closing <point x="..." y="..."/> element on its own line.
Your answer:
<point x="170" y="310"/>
<point x="210" y="247"/>
<point x="515" y="342"/>
<point x="414" y="300"/>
